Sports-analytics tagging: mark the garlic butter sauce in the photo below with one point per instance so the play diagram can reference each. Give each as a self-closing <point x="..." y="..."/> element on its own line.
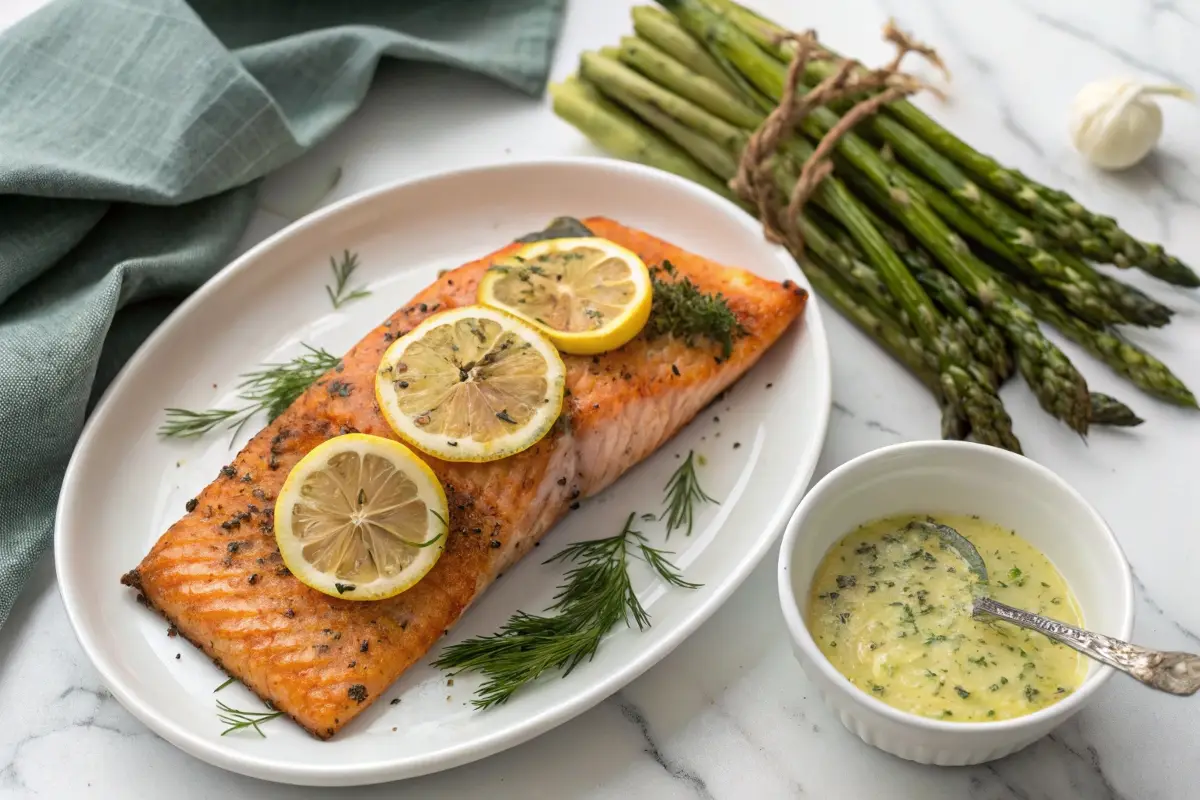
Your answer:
<point x="890" y="608"/>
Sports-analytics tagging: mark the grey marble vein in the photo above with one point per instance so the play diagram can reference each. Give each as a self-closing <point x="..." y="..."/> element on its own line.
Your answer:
<point x="987" y="76"/>
<point x="977" y="784"/>
<point x="1090" y="759"/>
<point x="1157" y="7"/>
<point x="1157" y="609"/>
<point x="1087" y="37"/>
<point x="679" y="773"/>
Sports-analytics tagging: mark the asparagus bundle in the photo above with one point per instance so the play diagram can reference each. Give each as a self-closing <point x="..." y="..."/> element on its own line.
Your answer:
<point x="945" y="268"/>
<point x="1072" y="225"/>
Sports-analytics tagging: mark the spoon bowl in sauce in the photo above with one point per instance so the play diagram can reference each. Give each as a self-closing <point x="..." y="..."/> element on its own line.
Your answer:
<point x="1168" y="671"/>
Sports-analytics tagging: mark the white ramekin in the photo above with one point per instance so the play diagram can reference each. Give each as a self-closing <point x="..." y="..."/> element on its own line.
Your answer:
<point x="954" y="478"/>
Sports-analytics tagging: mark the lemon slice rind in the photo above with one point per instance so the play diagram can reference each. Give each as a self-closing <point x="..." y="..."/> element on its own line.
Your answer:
<point x="422" y="550"/>
<point x="547" y="263"/>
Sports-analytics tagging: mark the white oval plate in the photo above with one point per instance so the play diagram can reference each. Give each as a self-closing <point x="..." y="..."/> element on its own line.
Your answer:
<point x="125" y="485"/>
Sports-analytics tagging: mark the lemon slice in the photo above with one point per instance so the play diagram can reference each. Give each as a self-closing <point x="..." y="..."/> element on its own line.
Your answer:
<point x="589" y="295"/>
<point x="471" y="384"/>
<point x="361" y="518"/>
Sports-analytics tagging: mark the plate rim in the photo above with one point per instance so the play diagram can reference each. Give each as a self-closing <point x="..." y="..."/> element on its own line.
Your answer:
<point x="536" y="724"/>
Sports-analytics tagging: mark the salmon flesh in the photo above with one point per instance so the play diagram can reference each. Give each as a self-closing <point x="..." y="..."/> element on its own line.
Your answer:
<point x="217" y="575"/>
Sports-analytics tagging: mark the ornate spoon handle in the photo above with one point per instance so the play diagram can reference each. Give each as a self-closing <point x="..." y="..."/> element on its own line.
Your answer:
<point x="1173" y="672"/>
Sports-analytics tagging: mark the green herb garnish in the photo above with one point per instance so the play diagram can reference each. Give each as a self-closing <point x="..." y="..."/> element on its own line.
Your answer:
<point x="342" y="270"/>
<point x="680" y="309"/>
<point x="271" y="389"/>
<point x="223" y="685"/>
<point x="240" y="720"/>
<point x="596" y="596"/>
<point x="683" y="492"/>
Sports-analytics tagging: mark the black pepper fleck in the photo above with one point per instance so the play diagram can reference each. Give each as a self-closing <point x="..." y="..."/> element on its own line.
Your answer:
<point x="357" y="693"/>
<point x="190" y="505"/>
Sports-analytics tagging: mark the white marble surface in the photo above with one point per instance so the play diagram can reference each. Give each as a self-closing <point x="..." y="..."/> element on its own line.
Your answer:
<point x="729" y="714"/>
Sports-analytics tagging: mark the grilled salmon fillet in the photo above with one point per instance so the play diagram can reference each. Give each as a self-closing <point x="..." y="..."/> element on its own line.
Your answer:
<point x="217" y="575"/>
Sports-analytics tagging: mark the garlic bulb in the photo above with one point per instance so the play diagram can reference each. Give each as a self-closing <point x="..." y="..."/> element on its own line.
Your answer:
<point x="1115" y="123"/>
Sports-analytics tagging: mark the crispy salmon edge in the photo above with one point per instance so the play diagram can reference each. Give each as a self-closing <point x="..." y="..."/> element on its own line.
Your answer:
<point x="133" y="579"/>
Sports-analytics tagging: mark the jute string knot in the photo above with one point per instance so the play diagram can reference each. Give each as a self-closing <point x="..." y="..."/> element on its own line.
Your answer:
<point x="755" y="179"/>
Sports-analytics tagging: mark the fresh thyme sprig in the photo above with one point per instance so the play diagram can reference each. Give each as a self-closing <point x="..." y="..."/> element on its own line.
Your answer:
<point x="683" y="492"/>
<point x="595" y="596"/>
<point x="240" y="720"/>
<point x="271" y="389"/>
<point x="680" y="308"/>
<point x="342" y="270"/>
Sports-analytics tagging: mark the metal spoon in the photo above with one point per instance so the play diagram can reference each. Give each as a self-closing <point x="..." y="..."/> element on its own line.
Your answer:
<point x="1169" y="671"/>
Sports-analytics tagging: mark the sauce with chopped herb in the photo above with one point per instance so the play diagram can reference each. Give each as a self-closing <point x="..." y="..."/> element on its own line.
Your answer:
<point x="890" y="609"/>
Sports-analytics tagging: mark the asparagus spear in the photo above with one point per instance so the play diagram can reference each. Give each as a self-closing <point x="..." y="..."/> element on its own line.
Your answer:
<point x="987" y="343"/>
<point x="616" y="131"/>
<point x="1142" y="369"/>
<point x="1108" y="410"/>
<point x="1059" y="387"/>
<point x="965" y="385"/>
<point x="1134" y="305"/>
<point x="1080" y="295"/>
<point x="1074" y="227"/>
<point x="660" y="29"/>
<point x="890" y="335"/>
<point x="1139" y="367"/>
<point x="1085" y="291"/>
<point x="891" y="338"/>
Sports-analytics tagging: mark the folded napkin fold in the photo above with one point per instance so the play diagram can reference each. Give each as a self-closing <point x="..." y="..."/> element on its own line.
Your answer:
<point x="132" y="137"/>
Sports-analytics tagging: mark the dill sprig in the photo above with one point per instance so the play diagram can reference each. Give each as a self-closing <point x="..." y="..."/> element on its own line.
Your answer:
<point x="595" y="597"/>
<point x="679" y="308"/>
<point x="342" y="270"/>
<point x="683" y="492"/>
<point x="240" y="720"/>
<point x="223" y="685"/>
<point x="271" y="389"/>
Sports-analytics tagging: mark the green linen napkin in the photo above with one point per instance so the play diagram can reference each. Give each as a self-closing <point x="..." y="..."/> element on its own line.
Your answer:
<point x="132" y="137"/>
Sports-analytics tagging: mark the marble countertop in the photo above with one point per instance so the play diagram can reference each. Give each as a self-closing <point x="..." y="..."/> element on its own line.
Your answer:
<point x="729" y="714"/>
